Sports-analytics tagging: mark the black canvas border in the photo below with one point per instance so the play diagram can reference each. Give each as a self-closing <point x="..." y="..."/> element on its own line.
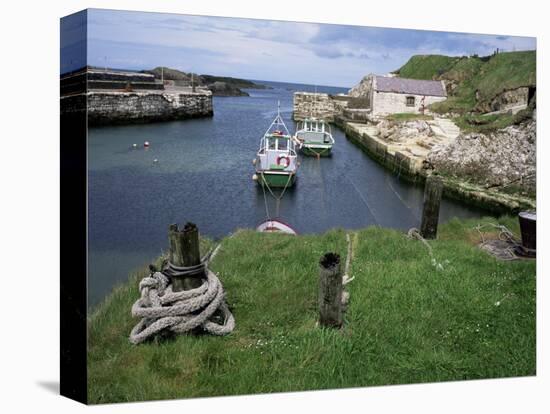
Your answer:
<point x="73" y="260"/>
<point x="73" y="247"/>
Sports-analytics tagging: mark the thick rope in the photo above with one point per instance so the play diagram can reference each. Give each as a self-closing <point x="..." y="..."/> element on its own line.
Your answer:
<point x="414" y="233"/>
<point x="318" y="154"/>
<point x="346" y="278"/>
<point x="504" y="247"/>
<point x="277" y="198"/>
<point x="162" y="309"/>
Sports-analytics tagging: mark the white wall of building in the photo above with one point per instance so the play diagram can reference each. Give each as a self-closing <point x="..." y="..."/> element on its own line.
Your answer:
<point x="385" y="103"/>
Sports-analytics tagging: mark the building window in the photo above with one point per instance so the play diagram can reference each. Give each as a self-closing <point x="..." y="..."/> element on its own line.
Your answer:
<point x="410" y="100"/>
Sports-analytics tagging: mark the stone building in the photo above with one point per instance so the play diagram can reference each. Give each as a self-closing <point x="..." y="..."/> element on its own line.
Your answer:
<point x="389" y="95"/>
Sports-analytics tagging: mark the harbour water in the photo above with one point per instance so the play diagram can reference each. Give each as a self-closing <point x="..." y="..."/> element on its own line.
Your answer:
<point x="201" y="171"/>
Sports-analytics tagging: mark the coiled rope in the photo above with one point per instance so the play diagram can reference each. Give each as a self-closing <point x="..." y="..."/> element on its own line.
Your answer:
<point x="503" y="248"/>
<point x="163" y="310"/>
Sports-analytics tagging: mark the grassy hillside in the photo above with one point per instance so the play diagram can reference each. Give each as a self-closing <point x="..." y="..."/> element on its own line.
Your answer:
<point x="473" y="82"/>
<point x="489" y="75"/>
<point x="426" y="66"/>
<point x="407" y="321"/>
<point x="505" y="71"/>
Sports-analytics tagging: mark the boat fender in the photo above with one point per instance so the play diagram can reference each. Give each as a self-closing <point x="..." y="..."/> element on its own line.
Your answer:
<point x="283" y="160"/>
<point x="254" y="161"/>
<point x="255" y="177"/>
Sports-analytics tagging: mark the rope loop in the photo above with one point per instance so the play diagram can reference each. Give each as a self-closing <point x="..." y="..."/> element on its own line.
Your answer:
<point x="161" y="309"/>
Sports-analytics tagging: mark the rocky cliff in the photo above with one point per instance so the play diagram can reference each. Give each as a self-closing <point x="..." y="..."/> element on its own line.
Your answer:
<point x="505" y="159"/>
<point x="363" y="88"/>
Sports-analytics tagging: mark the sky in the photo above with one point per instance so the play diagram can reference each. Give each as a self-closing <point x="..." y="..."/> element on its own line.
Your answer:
<point x="322" y="54"/>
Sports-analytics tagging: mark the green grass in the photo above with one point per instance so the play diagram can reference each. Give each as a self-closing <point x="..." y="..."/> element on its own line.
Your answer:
<point x="407" y="322"/>
<point x="427" y="67"/>
<point x="506" y="71"/>
<point x="406" y="116"/>
<point x="491" y="123"/>
<point x="487" y="76"/>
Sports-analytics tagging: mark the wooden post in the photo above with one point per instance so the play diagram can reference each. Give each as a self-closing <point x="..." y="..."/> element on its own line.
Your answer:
<point x="430" y="210"/>
<point x="330" y="291"/>
<point x="184" y="251"/>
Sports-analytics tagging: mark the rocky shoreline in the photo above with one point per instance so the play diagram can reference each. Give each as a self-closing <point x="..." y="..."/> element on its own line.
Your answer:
<point x="504" y="159"/>
<point x="415" y="165"/>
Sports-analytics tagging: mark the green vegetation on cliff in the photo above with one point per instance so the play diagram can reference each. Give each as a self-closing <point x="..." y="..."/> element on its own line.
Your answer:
<point x="426" y="66"/>
<point x="473" y="83"/>
<point x="407" y="321"/>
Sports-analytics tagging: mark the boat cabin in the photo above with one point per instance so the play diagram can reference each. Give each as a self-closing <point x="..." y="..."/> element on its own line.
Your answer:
<point x="314" y="131"/>
<point x="277" y="152"/>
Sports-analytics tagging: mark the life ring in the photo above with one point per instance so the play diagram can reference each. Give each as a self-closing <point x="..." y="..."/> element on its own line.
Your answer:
<point x="280" y="159"/>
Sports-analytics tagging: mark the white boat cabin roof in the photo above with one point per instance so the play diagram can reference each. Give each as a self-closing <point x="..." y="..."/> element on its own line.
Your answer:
<point x="314" y="124"/>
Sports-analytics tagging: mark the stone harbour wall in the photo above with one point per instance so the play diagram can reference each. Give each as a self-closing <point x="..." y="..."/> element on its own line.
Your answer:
<point x="320" y="105"/>
<point x="413" y="169"/>
<point x="106" y="108"/>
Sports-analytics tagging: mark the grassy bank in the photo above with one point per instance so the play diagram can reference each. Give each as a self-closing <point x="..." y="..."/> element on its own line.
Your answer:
<point x="407" y="321"/>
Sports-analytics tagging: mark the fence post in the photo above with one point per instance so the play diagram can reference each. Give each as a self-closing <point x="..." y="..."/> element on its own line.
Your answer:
<point x="330" y="291"/>
<point x="184" y="251"/>
<point x="430" y="211"/>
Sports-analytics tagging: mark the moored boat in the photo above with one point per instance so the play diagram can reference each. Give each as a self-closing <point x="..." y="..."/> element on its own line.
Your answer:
<point x="275" y="226"/>
<point x="276" y="161"/>
<point x="314" y="137"/>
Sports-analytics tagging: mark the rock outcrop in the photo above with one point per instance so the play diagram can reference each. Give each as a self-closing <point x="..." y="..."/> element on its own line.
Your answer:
<point x="225" y="89"/>
<point x="363" y="88"/>
<point x="395" y="131"/>
<point x="503" y="159"/>
<point x="219" y="85"/>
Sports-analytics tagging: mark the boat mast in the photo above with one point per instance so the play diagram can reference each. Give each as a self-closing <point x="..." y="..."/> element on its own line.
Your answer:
<point x="278" y="121"/>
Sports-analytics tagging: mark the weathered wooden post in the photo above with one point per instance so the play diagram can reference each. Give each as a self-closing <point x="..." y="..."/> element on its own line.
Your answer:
<point x="330" y="291"/>
<point x="184" y="251"/>
<point x="430" y="210"/>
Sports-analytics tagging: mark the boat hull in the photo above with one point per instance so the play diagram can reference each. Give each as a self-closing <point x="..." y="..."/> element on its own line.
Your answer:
<point x="276" y="179"/>
<point x="314" y="151"/>
<point x="275" y="226"/>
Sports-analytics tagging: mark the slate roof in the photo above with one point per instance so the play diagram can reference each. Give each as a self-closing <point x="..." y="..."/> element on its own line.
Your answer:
<point x="410" y="86"/>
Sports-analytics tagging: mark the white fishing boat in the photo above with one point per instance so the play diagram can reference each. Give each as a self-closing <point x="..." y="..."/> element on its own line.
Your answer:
<point x="314" y="137"/>
<point x="276" y="161"/>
